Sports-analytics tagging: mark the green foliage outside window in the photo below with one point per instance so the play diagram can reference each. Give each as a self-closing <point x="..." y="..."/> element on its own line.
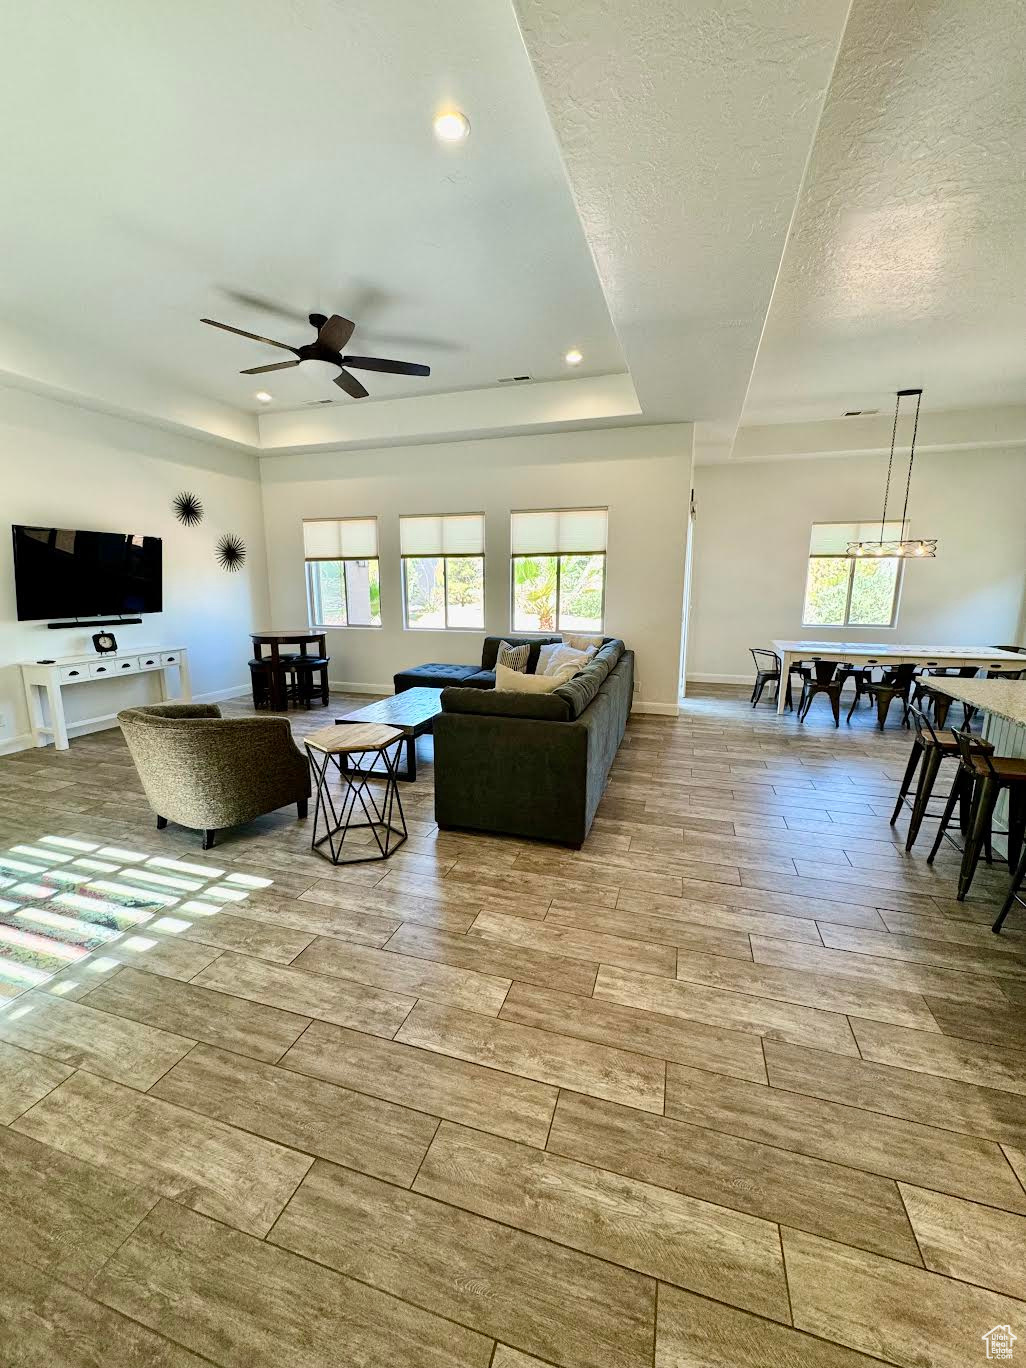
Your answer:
<point x="558" y="593"/>
<point x="841" y="591"/>
<point x="444" y="591"/>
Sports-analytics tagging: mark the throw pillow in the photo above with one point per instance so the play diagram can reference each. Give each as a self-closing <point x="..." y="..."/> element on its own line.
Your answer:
<point x="562" y="658"/>
<point x="545" y="655"/>
<point x="513" y="681"/>
<point x="513" y="657"/>
<point x="581" y="642"/>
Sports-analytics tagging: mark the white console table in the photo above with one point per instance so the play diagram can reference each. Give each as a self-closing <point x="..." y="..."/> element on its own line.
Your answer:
<point x="67" y="671"/>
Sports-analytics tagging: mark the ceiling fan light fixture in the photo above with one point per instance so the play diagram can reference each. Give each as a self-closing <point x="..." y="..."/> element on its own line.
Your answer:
<point x="332" y="335"/>
<point x="452" y="126"/>
<point x="574" y="357"/>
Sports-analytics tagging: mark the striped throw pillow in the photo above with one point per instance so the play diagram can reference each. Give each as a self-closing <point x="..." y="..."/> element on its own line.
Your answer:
<point x="514" y="657"/>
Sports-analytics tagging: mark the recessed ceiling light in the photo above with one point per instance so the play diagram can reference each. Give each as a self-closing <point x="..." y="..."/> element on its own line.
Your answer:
<point x="573" y="357"/>
<point x="452" y="126"/>
<point x="263" y="396"/>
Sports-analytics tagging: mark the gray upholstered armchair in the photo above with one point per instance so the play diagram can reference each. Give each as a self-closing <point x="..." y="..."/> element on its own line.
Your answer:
<point x="205" y="771"/>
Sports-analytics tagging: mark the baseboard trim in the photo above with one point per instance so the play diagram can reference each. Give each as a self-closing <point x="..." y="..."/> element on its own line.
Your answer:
<point x="88" y="725"/>
<point x="657" y="709"/>
<point x="353" y="686"/>
<point x="721" y="679"/>
<point x="16" y="743"/>
<point x="221" y="695"/>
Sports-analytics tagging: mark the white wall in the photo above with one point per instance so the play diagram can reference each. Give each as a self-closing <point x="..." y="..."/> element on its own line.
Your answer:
<point x="641" y="473"/>
<point x="752" y="539"/>
<point x="66" y="466"/>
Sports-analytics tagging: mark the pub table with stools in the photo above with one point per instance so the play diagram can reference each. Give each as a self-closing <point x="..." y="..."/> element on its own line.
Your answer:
<point x="278" y="665"/>
<point x="352" y="752"/>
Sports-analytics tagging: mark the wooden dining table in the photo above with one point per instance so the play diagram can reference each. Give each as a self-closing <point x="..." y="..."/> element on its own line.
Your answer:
<point x="870" y="653"/>
<point x="275" y="639"/>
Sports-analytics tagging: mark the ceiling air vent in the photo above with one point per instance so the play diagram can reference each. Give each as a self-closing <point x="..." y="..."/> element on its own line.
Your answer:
<point x="514" y="379"/>
<point x="860" y="413"/>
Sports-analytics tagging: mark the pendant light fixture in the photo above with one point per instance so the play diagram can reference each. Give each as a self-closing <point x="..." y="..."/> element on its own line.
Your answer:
<point x="906" y="546"/>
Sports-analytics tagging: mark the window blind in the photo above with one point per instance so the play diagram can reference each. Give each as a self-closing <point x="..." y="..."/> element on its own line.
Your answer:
<point x="443" y="534"/>
<point x="831" y="539"/>
<point x="340" y="539"/>
<point x="562" y="529"/>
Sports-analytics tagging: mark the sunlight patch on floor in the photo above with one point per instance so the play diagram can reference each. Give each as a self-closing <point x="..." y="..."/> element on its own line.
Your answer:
<point x="69" y="905"/>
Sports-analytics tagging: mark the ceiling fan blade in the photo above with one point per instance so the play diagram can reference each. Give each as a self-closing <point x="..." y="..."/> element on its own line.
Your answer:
<point x="255" y="337"/>
<point x="271" y="306"/>
<point x="262" y="370"/>
<point x="351" y="385"/>
<point x="380" y="363"/>
<point x="375" y="337"/>
<point x="336" y="332"/>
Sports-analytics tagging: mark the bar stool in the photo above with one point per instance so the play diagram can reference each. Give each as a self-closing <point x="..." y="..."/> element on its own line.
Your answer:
<point x="985" y="775"/>
<point x="260" y="679"/>
<point x="932" y="747"/>
<point x="353" y="750"/>
<point x="1014" y="895"/>
<point x="822" y="678"/>
<point x="260" y="682"/>
<point x="304" y="687"/>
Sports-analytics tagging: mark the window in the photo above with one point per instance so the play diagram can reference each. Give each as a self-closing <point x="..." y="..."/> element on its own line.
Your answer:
<point x="443" y="571"/>
<point x="559" y="570"/>
<point x="845" y="591"/>
<point x="343" y="584"/>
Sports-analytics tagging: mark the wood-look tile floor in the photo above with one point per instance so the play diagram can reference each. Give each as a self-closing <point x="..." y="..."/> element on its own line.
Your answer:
<point x="738" y="1083"/>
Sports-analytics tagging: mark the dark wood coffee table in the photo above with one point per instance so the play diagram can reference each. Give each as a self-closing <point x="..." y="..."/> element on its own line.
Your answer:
<point x="412" y="711"/>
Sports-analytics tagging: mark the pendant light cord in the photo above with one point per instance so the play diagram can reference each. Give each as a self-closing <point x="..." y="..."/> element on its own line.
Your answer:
<point x="911" y="458"/>
<point x="890" y="463"/>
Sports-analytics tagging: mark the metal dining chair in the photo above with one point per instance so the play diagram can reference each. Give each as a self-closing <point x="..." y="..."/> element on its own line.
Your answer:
<point x="822" y="677"/>
<point x="896" y="683"/>
<point x="940" y="703"/>
<point x="768" y="667"/>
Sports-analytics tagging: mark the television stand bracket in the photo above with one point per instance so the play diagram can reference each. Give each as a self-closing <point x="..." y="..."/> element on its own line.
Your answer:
<point x="96" y="622"/>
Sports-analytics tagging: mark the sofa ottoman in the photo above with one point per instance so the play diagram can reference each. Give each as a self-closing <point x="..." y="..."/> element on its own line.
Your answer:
<point x="438" y="675"/>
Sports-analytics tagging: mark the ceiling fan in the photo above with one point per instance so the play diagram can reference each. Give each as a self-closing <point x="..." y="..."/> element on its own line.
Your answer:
<point x="332" y="335"/>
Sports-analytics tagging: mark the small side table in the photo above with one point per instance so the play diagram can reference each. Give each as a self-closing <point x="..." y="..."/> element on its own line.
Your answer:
<point x="352" y="752"/>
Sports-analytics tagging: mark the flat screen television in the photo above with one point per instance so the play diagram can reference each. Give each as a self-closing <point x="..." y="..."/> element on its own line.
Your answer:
<point x="60" y="573"/>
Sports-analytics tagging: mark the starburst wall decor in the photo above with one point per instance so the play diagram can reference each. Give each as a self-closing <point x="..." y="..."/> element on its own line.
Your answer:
<point x="188" y="509"/>
<point x="230" y="552"/>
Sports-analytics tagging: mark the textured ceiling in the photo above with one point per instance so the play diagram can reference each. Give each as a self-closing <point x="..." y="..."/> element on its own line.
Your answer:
<point x="907" y="258"/>
<point x="157" y="159"/>
<point x="685" y="128"/>
<point x="644" y="180"/>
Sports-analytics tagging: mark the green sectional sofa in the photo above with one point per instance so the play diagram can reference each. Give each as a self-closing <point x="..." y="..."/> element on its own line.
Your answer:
<point x="532" y="765"/>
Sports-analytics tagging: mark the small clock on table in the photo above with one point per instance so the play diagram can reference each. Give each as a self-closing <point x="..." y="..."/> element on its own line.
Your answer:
<point x="104" y="643"/>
